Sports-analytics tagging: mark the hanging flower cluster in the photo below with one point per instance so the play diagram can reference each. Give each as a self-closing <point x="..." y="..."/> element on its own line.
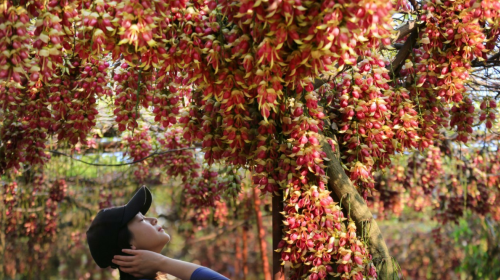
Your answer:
<point x="95" y="29"/>
<point x="206" y="197"/>
<point x="405" y="120"/>
<point x="138" y="146"/>
<point x="389" y="199"/>
<point x="133" y="88"/>
<point x="478" y="193"/>
<point x="448" y="191"/>
<point x="167" y="100"/>
<point x="489" y="16"/>
<point x="354" y="262"/>
<point x="74" y="99"/>
<point x="207" y="190"/>
<point x="460" y="32"/>
<point x="14" y="63"/>
<point x="176" y="163"/>
<point x="221" y="213"/>
<point x="25" y="128"/>
<point x="423" y="176"/>
<point x="453" y="37"/>
<point x="488" y="112"/>
<point x="14" y="43"/>
<point x="463" y="117"/>
<point x="10" y="201"/>
<point x="53" y="31"/>
<point x="432" y="109"/>
<point x="39" y="215"/>
<point x="366" y="125"/>
<point x="50" y="218"/>
<point x="105" y="199"/>
<point x="312" y="218"/>
<point x="33" y="85"/>
<point x="58" y="190"/>
<point x="31" y="220"/>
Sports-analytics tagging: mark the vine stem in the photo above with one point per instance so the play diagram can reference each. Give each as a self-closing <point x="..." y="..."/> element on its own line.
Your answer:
<point x="125" y="163"/>
<point x="137" y="97"/>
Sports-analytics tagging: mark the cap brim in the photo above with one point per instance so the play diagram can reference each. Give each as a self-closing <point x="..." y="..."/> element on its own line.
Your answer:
<point x="140" y="202"/>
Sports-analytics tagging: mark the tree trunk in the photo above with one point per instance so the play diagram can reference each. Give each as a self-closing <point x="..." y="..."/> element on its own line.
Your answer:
<point x="261" y="234"/>
<point x="343" y="188"/>
<point x="277" y="204"/>
<point x="245" y="251"/>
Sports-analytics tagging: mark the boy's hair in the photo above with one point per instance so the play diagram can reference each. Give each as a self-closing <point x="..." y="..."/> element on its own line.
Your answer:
<point x="124" y="238"/>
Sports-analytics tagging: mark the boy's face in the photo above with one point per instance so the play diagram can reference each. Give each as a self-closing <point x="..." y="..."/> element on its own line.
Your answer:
<point x="147" y="234"/>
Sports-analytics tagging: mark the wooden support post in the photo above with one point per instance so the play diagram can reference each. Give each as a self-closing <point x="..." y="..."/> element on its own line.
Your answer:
<point x="245" y="252"/>
<point x="277" y="202"/>
<point x="261" y="234"/>
<point x="237" y="259"/>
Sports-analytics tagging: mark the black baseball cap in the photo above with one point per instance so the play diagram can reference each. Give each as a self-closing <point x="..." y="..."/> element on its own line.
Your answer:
<point x="102" y="235"/>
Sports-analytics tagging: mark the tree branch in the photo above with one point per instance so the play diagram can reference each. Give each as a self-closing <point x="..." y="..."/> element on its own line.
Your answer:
<point x="318" y="83"/>
<point x="416" y="7"/>
<point x="411" y="28"/>
<point x="397" y="46"/>
<point x="217" y="233"/>
<point x="401" y="32"/>
<point x="491" y="59"/>
<point x="404" y="52"/>
<point x="404" y="30"/>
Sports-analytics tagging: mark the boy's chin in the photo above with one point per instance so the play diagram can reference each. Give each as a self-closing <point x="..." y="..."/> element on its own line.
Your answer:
<point x="168" y="239"/>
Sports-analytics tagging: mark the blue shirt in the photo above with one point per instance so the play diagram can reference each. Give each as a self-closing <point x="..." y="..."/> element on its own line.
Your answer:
<point x="203" y="273"/>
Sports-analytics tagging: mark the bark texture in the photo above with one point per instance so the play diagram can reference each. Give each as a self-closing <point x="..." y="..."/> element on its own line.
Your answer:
<point x="342" y="187"/>
<point x="404" y="30"/>
<point x="405" y="50"/>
